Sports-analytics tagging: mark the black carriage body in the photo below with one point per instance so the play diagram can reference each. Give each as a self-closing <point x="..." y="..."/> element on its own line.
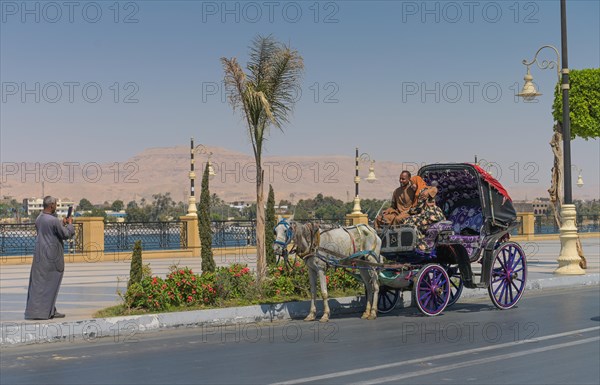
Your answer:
<point x="479" y="214"/>
<point x="479" y="217"/>
<point x="468" y="189"/>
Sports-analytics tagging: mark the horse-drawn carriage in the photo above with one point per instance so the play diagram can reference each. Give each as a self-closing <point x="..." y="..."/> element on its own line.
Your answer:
<point x="479" y="218"/>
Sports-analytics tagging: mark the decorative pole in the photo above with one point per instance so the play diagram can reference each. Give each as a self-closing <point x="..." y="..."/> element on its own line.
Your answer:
<point x="192" y="210"/>
<point x="357" y="216"/>
<point x="356" y="209"/>
<point x="568" y="259"/>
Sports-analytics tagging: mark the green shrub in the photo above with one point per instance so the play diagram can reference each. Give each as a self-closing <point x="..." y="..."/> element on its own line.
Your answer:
<point x="234" y="281"/>
<point x="151" y="293"/>
<point x="136" y="268"/>
<point x="343" y="279"/>
<point x="183" y="288"/>
<point x="285" y="281"/>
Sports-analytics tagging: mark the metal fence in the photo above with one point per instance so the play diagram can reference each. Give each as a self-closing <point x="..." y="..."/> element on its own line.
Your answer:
<point x="233" y="233"/>
<point x="545" y="224"/>
<point x="588" y="223"/>
<point x="154" y="235"/>
<point x="238" y="233"/>
<point x="519" y="228"/>
<point x="19" y="239"/>
<point x="243" y="232"/>
<point x="324" y="221"/>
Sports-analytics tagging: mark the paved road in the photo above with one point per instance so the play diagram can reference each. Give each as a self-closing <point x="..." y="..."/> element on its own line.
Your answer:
<point x="553" y="337"/>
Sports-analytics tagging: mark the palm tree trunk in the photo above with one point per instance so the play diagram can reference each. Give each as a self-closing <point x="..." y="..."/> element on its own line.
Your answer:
<point x="261" y="265"/>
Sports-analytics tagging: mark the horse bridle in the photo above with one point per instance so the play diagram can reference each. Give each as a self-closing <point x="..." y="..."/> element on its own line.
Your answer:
<point x="289" y="233"/>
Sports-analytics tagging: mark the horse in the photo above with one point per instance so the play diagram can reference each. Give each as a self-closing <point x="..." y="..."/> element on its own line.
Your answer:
<point x="283" y="237"/>
<point x="343" y="246"/>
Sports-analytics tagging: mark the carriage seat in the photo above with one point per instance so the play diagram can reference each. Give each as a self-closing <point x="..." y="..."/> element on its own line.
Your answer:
<point x="438" y="232"/>
<point x="467" y="222"/>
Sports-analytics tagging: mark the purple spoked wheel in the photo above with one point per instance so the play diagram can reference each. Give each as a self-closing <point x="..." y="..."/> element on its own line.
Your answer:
<point x="508" y="275"/>
<point x="456" y="284"/>
<point x="431" y="290"/>
<point x="387" y="300"/>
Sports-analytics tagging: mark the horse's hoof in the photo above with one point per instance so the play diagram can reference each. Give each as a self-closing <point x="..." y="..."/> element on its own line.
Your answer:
<point x="309" y="318"/>
<point x="364" y="316"/>
<point x="372" y="317"/>
<point x="324" y="319"/>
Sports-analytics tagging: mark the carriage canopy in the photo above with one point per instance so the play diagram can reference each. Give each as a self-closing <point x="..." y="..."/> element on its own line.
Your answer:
<point x="467" y="191"/>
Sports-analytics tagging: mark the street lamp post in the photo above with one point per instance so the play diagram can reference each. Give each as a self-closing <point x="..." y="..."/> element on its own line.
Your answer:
<point x="579" y="176"/>
<point x="568" y="259"/>
<point x="192" y="210"/>
<point x="363" y="158"/>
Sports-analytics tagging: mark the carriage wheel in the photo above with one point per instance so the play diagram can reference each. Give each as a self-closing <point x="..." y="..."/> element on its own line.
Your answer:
<point x="456" y="283"/>
<point x="431" y="290"/>
<point x="508" y="275"/>
<point x="388" y="299"/>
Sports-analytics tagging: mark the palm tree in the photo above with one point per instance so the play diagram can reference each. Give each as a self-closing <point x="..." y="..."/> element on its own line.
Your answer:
<point x="266" y="97"/>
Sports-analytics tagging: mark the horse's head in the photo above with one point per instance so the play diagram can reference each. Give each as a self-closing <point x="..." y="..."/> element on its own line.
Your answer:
<point x="283" y="236"/>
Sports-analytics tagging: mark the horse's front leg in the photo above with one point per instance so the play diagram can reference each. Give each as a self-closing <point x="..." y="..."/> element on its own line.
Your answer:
<point x="375" y="290"/>
<point x="371" y="308"/>
<point x="365" y="278"/>
<point x="324" y="294"/>
<point x="313" y="294"/>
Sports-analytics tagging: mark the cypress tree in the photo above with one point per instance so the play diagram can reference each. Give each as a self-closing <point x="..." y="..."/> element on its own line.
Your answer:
<point x="208" y="262"/>
<point x="269" y="226"/>
<point x="135" y="270"/>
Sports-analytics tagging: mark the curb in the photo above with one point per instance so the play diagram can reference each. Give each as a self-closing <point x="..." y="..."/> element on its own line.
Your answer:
<point x="123" y="329"/>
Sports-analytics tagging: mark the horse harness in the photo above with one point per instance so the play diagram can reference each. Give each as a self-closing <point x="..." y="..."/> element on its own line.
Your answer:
<point x="315" y="239"/>
<point x="288" y="233"/>
<point x="315" y="248"/>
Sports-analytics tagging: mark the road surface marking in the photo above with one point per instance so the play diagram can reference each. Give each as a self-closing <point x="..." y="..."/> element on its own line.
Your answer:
<point x="474" y="362"/>
<point x="431" y="358"/>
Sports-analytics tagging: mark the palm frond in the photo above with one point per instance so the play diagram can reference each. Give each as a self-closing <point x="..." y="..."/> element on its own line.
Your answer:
<point x="286" y="71"/>
<point x="238" y="90"/>
<point x="262" y="51"/>
<point x="268" y="92"/>
<point x="235" y="82"/>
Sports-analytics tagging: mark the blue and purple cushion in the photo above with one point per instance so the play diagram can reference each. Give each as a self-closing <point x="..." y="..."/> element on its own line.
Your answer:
<point x="470" y="242"/>
<point x="434" y="230"/>
<point x="464" y="217"/>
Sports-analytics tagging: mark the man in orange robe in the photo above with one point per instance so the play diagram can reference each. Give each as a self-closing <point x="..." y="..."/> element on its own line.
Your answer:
<point x="406" y="197"/>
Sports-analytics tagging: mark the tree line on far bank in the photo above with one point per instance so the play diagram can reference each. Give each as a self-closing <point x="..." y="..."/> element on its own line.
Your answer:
<point x="163" y="208"/>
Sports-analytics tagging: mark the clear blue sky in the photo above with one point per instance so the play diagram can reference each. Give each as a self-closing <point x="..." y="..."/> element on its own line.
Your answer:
<point x="423" y="81"/>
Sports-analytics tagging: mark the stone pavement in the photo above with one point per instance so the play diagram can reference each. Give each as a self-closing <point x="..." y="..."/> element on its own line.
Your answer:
<point x="89" y="287"/>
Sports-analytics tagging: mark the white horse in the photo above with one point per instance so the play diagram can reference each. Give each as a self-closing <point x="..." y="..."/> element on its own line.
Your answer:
<point x="342" y="246"/>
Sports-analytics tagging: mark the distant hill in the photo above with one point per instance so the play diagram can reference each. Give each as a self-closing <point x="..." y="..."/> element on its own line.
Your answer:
<point x="165" y="169"/>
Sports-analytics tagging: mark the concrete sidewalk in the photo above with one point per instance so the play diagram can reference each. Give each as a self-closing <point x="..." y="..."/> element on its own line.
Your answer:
<point x="89" y="287"/>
